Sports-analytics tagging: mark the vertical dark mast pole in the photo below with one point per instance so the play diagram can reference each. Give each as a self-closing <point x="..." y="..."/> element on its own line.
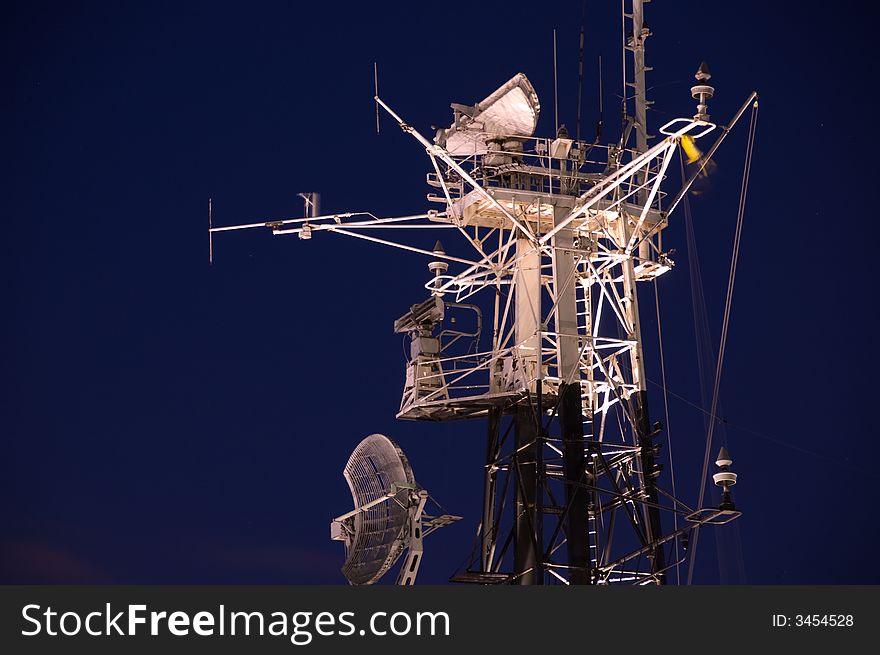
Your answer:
<point x="526" y="562"/>
<point x="487" y="551"/>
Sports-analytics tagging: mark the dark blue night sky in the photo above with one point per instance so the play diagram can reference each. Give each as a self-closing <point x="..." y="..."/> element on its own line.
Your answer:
<point x="163" y="421"/>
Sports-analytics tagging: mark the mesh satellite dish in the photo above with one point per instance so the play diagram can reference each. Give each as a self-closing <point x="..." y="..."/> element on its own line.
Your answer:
<point x="388" y="517"/>
<point x="510" y="111"/>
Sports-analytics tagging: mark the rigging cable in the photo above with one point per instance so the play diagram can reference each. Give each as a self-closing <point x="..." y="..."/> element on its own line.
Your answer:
<point x="724" y="330"/>
<point x="702" y="334"/>
<point x="761" y="435"/>
<point x="668" y="428"/>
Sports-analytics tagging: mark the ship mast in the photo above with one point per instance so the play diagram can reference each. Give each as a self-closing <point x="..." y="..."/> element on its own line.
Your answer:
<point x="634" y="43"/>
<point x="562" y="232"/>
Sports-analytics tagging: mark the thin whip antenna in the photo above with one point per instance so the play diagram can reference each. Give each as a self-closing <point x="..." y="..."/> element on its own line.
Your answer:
<point x="601" y="122"/>
<point x="623" y="53"/>
<point x="555" y="85"/>
<point x="376" y="94"/>
<point x="580" y="70"/>
<point x="210" y="233"/>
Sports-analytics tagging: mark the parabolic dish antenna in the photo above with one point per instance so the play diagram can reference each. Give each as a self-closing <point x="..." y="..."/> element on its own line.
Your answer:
<point x="388" y="517"/>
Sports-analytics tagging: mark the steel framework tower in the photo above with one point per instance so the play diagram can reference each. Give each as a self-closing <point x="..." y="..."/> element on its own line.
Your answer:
<point x="563" y="232"/>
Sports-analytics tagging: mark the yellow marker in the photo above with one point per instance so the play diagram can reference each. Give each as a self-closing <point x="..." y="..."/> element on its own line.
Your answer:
<point x="690" y="149"/>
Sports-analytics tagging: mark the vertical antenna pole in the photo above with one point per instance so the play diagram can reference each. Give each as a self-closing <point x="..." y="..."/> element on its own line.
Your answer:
<point x="376" y="95"/>
<point x="580" y="71"/>
<point x="555" y="85"/>
<point x="623" y="57"/>
<point x="601" y="122"/>
<point x="210" y="233"/>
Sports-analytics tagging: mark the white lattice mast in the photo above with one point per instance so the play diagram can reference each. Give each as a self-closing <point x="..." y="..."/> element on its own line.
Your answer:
<point x="561" y="232"/>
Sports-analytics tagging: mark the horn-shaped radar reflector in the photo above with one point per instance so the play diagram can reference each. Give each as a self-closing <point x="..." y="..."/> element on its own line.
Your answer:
<point x="511" y="111"/>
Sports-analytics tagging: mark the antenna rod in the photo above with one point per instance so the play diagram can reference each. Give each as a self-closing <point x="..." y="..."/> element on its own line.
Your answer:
<point x="555" y="85"/>
<point x="210" y="233"/>
<point x="287" y="221"/>
<point x="580" y="71"/>
<point x="601" y="122"/>
<point x="376" y="94"/>
<point x="623" y="92"/>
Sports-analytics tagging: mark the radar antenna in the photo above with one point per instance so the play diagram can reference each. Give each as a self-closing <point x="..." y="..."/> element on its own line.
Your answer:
<point x="389" y="516"/>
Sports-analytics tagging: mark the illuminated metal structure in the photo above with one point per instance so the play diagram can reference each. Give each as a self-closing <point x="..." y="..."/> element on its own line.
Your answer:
<point x="563" y="233"/>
